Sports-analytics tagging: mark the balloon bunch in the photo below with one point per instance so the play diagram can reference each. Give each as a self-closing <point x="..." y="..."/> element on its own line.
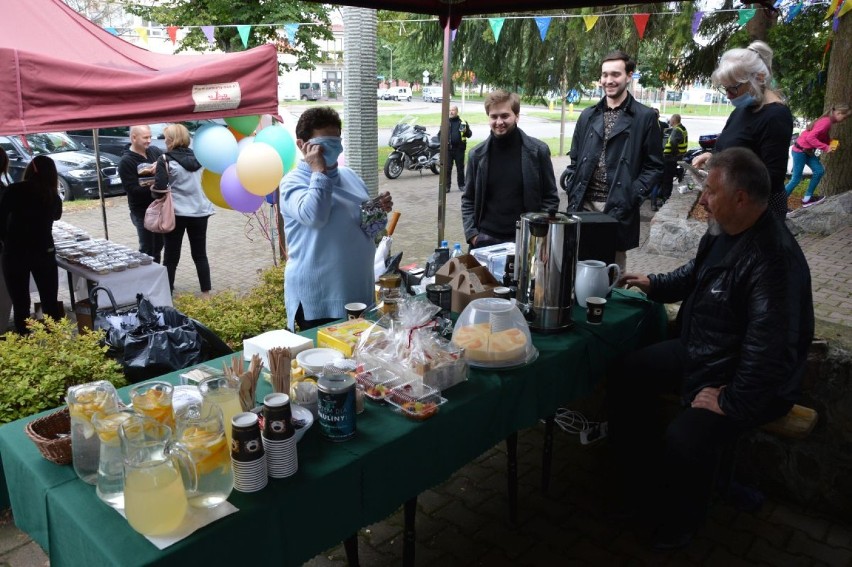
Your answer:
<point x="240" y="169"/>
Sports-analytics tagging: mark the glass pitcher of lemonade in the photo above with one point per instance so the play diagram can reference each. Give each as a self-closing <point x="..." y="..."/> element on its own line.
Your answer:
<point x="110" y="483"/>
<point x="201" y="431"/>
<point x="154" y="496"/>
<point x="223" y="392"/>
<point x="154" y="400"/>
<point x="84" y="401"/>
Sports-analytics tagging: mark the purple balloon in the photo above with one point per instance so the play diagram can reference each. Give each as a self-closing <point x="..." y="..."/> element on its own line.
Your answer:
<point x="235" y="195"/>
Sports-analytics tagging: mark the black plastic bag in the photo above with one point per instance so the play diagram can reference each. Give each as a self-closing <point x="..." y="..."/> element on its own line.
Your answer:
<point x="163" y="340"/>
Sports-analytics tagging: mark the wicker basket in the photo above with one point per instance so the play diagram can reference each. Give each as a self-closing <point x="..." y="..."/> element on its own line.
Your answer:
<point x="52" y="435"/>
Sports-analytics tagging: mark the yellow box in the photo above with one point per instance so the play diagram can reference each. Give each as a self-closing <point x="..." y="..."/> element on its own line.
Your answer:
<point x="343" y="336"/>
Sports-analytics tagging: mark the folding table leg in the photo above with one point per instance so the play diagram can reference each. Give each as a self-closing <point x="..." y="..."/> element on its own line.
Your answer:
<point x="512" y="475"/>
<point x="547" y="453"/>
<point x="408" y="539"/>
<point x="350" y="544"/>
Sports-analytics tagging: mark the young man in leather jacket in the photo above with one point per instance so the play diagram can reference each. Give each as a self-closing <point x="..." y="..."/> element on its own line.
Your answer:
<point x="616" y="154"/>
<point x="745" y="326"/>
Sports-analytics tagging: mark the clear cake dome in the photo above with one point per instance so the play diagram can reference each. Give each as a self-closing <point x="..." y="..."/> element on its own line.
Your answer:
<point x="494" y="334"/>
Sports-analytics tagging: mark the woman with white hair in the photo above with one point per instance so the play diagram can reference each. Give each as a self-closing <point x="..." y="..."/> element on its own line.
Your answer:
<point x="761" y="120"/>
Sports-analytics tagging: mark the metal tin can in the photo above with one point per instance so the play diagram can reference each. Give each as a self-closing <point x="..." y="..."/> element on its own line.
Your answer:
<point x="441" y="295"/>
<point x="336" y="406"/>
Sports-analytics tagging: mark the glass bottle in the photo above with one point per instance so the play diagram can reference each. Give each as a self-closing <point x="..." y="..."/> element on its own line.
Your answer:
<point x="390" y="293"/>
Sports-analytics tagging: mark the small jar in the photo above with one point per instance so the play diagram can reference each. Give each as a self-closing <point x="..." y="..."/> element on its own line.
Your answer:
<point x="390" y="293"/>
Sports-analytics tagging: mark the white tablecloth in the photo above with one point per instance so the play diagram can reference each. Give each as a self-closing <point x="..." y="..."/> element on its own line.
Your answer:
<point x="151" y="280"/>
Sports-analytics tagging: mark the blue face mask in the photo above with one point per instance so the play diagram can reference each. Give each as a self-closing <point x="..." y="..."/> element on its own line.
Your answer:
<point x="743" y="101"/>
<point x="332" y="147"/>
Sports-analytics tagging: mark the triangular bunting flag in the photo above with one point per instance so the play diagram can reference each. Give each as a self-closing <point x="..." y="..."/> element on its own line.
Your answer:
<point x="172" y="33"/>
<point x="641" y="20"/>
<point x="496" y="25"/>
<point x="143" y="34"/>
<point x="208" y="32"/>
<point x="113" y="31"/>
<point x="453" y="34"/>
<point x="244" y="32"/>
<point x="590" y="22"/>
<point x="290" y="30"/>
<point x="745" y="15"/>
<point x="543" y="24"/>
<point x="844" y="7"/>
<point x="831" y="9"/>
<point x="696" y="21"/>
<point x="794" y="11"/>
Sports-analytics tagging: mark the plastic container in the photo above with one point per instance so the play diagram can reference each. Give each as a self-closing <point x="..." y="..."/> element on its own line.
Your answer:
<point x="416" y="401"/>
<point x="457" y="250"/>
<point x="494" y="334"/>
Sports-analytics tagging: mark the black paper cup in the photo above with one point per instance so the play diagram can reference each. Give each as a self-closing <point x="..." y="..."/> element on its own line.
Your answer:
<point x="355" y="310"/>
<point x="595" y="310"/>
<point x="246" y="443"/>
<point x="277" y="417"/>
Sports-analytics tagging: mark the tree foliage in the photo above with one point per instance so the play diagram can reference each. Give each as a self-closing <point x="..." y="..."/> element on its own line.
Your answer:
<point x="225" y="15"/>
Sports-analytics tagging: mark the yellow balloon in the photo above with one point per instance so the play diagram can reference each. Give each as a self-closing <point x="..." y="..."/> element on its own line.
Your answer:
<point x="259" y="168"/>
<point x="210" y="184"/>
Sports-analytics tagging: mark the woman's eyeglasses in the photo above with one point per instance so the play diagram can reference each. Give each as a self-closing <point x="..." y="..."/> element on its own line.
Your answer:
<point x="731" y="90"/>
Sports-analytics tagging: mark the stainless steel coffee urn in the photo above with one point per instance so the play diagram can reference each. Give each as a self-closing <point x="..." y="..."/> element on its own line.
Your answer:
<point x="545" y="267"/>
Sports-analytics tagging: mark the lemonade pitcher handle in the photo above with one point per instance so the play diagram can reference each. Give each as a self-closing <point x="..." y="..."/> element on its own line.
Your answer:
<point x="182" y="459"/>
<point x="617" y="275"/>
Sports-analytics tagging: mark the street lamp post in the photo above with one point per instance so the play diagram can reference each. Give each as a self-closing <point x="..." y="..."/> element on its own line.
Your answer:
<point x="390" y="75"/>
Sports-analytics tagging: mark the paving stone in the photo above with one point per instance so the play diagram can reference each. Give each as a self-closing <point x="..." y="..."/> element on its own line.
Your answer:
<point x="804" y="545"/>
<point x="763" y="552"/>
<point x="721" y="557"/>
<point x="839" y="536"/>
<point x="816" y="528"/>
<point x="775" y="534"/>
<point x="736" y="541"/>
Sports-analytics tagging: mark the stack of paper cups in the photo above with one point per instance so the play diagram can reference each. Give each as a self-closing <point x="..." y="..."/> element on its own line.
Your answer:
<point x="247" y="454"/>
<point x="279" y="436"/>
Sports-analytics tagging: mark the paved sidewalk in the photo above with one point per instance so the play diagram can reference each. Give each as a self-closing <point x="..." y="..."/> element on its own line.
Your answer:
<point x="464" y="521"/>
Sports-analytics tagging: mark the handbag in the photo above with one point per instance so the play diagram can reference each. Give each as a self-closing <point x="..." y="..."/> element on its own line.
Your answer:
<point x="160" y="214"/>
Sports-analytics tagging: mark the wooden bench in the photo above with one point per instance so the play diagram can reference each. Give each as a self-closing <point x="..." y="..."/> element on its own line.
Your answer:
<point x="797" y="424"/>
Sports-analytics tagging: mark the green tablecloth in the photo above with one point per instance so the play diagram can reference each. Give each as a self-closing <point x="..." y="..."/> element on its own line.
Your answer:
<point x="339" y="487"/>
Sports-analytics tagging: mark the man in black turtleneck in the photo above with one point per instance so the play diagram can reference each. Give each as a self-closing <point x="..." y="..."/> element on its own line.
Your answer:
<point x="508" y="174"/>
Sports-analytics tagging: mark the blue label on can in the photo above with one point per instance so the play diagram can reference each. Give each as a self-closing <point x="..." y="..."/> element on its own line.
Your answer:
<point x="336" y="407"/>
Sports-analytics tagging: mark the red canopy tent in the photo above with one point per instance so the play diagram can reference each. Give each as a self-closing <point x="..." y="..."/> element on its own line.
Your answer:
<point x="63" y="72"/>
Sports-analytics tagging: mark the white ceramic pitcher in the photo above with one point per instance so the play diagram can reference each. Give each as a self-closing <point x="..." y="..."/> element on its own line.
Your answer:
<point x="593" y="280"/>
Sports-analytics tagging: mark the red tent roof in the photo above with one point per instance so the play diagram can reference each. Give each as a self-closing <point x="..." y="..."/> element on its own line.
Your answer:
<point x="62" y="72"/>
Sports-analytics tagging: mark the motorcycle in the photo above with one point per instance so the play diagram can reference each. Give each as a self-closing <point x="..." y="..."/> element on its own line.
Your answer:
<point x="414" y="149"/>
<point x="707" y="143"/>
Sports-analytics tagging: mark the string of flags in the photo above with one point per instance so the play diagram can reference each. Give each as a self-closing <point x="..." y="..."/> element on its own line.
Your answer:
<point x="836" y="10"/>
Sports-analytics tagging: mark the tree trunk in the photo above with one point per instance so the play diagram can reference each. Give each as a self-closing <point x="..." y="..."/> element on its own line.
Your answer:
<point x="758" y="26"/>
<point x="838" y="164"/>
<point x="360" y="123"/>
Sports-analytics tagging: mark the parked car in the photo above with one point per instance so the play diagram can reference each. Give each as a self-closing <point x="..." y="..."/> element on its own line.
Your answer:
<point x="399" y="93"/>
<point x="433" y="94"/>
<point x="75" y="164"/>
<point x="117" y="139"/>
<point x="380" y="94"/>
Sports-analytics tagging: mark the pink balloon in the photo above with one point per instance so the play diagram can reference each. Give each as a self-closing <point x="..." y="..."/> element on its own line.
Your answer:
<point x="235" y="195"/>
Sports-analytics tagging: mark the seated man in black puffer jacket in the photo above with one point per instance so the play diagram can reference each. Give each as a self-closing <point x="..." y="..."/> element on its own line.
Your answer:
<point x="745" y="324"/>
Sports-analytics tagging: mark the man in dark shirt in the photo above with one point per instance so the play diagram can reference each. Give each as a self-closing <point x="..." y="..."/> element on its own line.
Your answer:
<point x="675" y="143"/>
<point x="139" y="195"/>
<point x="745" y="326"/>
<point x="616" y="154"/>
<point x="508" y="174"/>
<point x="459" y="133"/>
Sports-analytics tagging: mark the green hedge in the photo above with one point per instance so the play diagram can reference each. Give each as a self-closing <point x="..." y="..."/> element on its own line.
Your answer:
<point x="38" y="368"/>
<point x="236" y="317"/>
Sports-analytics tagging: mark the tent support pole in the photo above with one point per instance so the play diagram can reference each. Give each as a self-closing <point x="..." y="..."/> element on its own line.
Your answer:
<point x="445" y="138"/>
<point x="97" y="149"/>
